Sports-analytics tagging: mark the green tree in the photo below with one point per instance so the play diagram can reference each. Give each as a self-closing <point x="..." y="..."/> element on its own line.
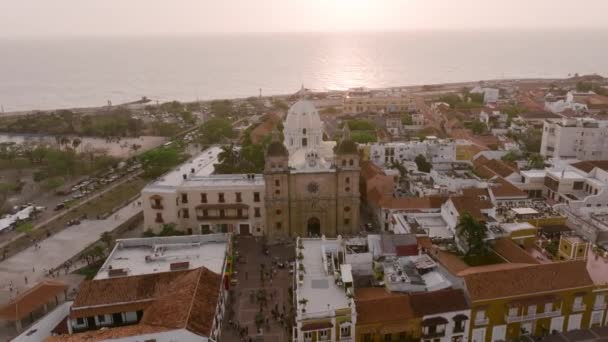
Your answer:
<point x="107" y="239"/>
<point x="473" y="234"/>
<point x="531" y="139"/>
<point x="478" y="127"/>
<point x="406" y="119"/>
<point x="423" y="164"/>
<point x="360" y="125"/>
<point x="222" y="108"/>
<point x="536" y="161"/>
<point x="229" y="159"/>
<point x="363" y="137"/>
<point x="511" y="156"/>
<point x="215" y="131"/>
<point x="158" y="161"/>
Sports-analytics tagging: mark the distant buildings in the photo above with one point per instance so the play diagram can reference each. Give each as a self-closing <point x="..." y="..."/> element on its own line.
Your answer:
<point x="434" y="150"/>
<point x="490" y="95"/>
<point x="362" y="100"/>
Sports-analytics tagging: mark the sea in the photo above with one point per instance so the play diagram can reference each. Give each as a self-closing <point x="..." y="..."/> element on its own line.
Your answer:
<point x="90" y="71"/>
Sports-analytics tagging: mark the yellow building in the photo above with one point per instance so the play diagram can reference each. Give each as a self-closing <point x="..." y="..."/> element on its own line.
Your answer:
<point x="512" y="300"/>
<point x="572" y="247"/>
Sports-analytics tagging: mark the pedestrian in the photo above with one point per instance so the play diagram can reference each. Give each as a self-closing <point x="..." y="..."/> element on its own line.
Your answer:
<point x="25" y="280"/>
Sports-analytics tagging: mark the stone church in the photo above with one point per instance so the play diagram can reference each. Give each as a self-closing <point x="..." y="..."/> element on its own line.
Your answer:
<point x="312" y="186"/>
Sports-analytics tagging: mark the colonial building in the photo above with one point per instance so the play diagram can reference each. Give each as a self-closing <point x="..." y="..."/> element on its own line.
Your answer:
<point x="312" y="186"/>
<point x="309" y="187"/>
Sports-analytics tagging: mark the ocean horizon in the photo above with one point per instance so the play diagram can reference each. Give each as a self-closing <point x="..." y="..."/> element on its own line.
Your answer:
<point x="47" y="73"/>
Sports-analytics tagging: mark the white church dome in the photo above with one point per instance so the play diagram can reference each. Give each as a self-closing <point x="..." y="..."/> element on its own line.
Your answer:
<point x="303" y="115"/>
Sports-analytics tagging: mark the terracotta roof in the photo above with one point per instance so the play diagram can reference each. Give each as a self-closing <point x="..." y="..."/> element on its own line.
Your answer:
<point x="490" y="268"/>
<point x="472" y="205"/>
<point x="436" y="302"/>
<point x="589" y="165"/>
<point x="405" y="203"/>
<point x="316" y="326"/>
<point x="381" y="307"/>
<point x="501" y="188"/>
<point x="489" y="168"/>
<point x="172" y="300"/>
<point x="531" y="115"/>
<point x="527" y="280"/>
<point x="370" y="170"/>
<point x="509" y="250"/>
<point x="32" y="299"/>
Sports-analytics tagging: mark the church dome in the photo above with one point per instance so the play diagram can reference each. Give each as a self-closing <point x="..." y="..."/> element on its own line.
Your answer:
<point x="277" y="149"/>
<point x="346" y="147"/>
<point x="303" y="115"/>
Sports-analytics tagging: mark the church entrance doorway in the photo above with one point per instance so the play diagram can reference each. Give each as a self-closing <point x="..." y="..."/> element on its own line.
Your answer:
<point x="314" y="227"/>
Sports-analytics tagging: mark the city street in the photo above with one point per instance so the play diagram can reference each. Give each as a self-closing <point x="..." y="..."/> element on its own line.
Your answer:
<point x="252" y="295"/>
<point x="52" y="252"/>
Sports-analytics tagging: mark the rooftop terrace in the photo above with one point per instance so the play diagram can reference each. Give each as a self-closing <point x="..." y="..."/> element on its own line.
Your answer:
<point x="162" y="254"/>
<point x="318" y="285"/>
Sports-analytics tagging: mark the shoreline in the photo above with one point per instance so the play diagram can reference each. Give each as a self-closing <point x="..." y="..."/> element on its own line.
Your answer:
<point x="413" y="88"/>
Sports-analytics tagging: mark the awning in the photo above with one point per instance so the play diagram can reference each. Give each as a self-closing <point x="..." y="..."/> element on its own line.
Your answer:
<point x="434" y="321"/>
<point x="32" y="299"/>
<point x="316" y="326"/>
<point x="460" y="317"/>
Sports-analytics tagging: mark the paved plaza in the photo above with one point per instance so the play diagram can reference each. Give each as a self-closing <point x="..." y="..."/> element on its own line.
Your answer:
<point x="245" y="304"/>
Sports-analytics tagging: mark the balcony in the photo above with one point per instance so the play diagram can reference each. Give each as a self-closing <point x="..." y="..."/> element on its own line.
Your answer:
<point x="532" y="317"/>
<point x="243" y="216"/>
<point x="157" y="206"/>
<point x="579" y="307"/>
<point x="482" y="321"/>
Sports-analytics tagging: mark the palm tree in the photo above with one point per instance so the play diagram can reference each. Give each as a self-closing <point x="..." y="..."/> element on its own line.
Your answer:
<point x="64" y="141"/>
<point x="76" y="142"/>
<point x="472" y="233"/>
<point x="536" y="161"/>
<point x="107" y="238"/>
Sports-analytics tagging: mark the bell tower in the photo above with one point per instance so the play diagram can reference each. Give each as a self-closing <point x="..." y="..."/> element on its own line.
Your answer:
<point x="276" y="177"/>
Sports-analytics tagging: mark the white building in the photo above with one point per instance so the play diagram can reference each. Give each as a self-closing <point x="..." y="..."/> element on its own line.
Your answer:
<point x="198" y="202"/>
<point x="128" y="299"/>
<point x="582" y="139"/>
<point x="569" y="102"/>
<point x="324" y="293"/>
<point x="490" y="95"/>
<point x="445" y="315"/>
<point x="434" y="150"/>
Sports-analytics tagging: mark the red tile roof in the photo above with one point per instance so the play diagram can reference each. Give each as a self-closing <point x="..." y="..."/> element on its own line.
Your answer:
<point x="528" y="280"/>
<point x="412" y="203"/>
<point x="376" y="305"/>
<point x="32" y="299"/>
<point x="501" y="188"/>
<point x="171" y="300"/>
<point x="436" y="302"/>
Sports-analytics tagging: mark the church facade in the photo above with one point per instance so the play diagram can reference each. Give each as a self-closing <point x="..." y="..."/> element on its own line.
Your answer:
<point x="311" y="185"/>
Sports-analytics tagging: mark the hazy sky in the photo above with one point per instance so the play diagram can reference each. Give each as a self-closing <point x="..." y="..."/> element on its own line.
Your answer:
<point x="142" y="17"/>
